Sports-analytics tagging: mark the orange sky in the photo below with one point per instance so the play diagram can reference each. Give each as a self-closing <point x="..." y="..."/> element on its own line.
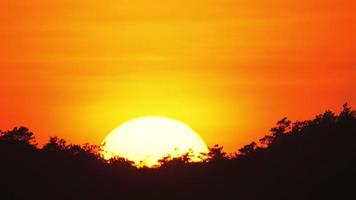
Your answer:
<point x="228" y="68"/>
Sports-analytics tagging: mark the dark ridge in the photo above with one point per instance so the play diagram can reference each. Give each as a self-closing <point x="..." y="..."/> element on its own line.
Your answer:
<point x="312" y="159"/>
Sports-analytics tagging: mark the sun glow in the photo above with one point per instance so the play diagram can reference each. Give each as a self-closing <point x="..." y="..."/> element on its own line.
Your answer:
<point x="148" y="139"/>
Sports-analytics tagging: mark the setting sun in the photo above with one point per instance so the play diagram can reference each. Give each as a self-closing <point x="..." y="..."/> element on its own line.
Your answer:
<point x="148" y="139"/>
<point x="177" y="99"/>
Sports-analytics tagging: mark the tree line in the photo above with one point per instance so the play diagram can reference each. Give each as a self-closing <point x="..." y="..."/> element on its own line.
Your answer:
<point x="311" y="159"/>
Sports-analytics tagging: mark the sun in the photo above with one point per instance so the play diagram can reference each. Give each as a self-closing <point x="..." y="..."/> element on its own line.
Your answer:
<point x="146" y="140"/>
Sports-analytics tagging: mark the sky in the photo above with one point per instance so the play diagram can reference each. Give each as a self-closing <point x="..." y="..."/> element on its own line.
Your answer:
<point x="228" y="68"/>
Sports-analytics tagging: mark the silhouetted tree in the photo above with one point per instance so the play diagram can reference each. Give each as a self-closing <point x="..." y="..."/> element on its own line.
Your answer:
<point x="281" y="128"/>
<point x="121" y="163"/>
<point x="177" y="161"/>
<point x="247" y="149"/>
<point x="347" y="113"/>
<point x="215" y="154"/>
<point x="93" y="149"/>
<point x="311" y="159"/>
<point x="276" y="132"/>
<point x="55" y="144"/>
<point x="20" y="135"/>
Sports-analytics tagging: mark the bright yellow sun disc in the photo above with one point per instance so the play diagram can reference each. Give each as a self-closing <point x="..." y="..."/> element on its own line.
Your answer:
<point x="148" y="139"/>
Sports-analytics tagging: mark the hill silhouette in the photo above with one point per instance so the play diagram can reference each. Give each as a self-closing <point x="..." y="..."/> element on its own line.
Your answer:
<point x="312" y="159"/>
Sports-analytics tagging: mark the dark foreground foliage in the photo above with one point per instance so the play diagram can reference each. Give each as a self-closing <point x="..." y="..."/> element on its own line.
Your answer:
<point x="312" y="159"/>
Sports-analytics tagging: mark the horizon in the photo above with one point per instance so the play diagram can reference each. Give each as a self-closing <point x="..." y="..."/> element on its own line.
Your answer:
<point x="308" y="159"/>
<point x="229" y="153"/>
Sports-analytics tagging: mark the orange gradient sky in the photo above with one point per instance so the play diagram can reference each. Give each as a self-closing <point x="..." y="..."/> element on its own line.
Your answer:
<point x="228" y="68"/>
